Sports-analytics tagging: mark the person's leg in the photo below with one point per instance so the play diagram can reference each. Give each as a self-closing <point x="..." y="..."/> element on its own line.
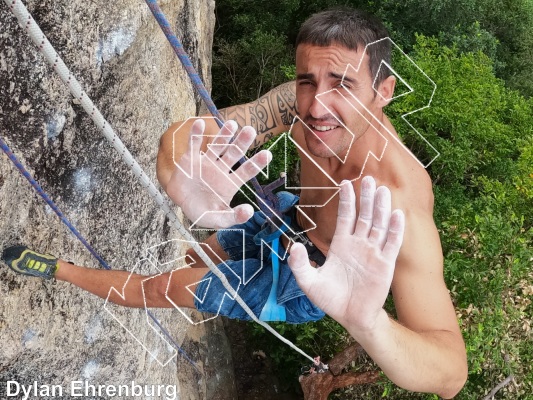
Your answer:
<point x="134" y="289"/>
<point x="235" y="243"/>
<point x="212" y="248"/>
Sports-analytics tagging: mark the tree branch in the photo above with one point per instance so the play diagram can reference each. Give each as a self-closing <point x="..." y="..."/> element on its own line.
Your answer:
<point x="499" y="386"/>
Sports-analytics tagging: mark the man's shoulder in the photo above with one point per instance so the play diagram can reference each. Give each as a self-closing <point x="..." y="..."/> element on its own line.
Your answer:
<point x="411" y="186"/>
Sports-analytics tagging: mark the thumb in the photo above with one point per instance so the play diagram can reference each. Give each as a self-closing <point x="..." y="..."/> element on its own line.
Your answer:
<point x="298" y="261"/>
<point x="242" y="213"/>
<point x="233" y="216"/>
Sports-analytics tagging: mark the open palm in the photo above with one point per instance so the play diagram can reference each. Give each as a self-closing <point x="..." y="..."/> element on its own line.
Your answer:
<point x="204" y="183"/>
<point x="354" y="282"/>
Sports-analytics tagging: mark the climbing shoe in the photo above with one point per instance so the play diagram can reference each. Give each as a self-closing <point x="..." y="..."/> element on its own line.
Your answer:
<point x="27" y="262"/>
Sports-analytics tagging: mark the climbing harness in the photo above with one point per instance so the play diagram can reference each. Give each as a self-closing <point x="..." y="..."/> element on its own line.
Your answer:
<point x="272" y="311"/>
<point x="57" y="64"/>
<point x="297" y="234"/>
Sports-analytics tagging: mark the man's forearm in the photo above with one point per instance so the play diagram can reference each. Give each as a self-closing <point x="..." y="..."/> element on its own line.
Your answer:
<point x="419" y="361"/>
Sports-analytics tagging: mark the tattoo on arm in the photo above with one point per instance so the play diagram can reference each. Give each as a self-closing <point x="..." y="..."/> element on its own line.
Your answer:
<point x="286" y="99"/>
<point x="237" y="113"/>
<point x="270" y="115"/>
<point x="262" y="115"/>
<point x="261" y="140"/>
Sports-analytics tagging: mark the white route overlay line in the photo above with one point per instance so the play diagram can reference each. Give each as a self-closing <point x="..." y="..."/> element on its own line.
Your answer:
<point x="53" y="59"/>
<point x="334" y="188"/>
<point x="411" y="90"/>
<point x="162" y="344"/>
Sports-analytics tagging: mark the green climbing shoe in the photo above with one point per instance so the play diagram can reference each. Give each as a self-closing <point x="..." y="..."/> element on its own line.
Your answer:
<point x="27" y="262"/>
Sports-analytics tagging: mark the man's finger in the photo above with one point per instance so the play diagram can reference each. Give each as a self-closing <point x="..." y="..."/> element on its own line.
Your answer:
<point x="226" y="218"/>
<point x="196" y="136"/>
<point x="242" y="213"/>
<point x="299" y="263"/>
<point x="245" y="138"/>
<point x="238" y="148"/>
<point x="366" y="207"/>
<point x="394" y="235"/>
<point x="346" y="210"/>
<point x="252" y="167"/>
<point x="219" y="144"/>
<point x="381" y="216"/>
<point x="226" y="133"/>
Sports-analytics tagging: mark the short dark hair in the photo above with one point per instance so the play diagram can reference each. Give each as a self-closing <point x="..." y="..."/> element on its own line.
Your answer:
<point x="353" y="29"/>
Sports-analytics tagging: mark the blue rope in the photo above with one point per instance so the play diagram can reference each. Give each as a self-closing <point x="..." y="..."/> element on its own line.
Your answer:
<point x="265" y="197"/>
<point x="75" y="232"/>
<point x="184" y="58"/>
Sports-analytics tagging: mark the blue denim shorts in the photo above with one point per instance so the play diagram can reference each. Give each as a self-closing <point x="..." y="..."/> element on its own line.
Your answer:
<point x="249" y="272"/>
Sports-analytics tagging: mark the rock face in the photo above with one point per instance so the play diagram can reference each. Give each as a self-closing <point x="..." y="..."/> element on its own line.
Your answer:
<point x="52" y="333"/>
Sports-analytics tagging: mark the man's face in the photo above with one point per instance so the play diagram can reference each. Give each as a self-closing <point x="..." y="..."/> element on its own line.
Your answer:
<point x="318" y="71"/>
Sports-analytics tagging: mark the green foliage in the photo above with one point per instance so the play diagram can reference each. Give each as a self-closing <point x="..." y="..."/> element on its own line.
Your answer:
<point x="475" y="122"/>
<point x="250" y="49"/>
<point x="245" y="69"/>
<point x="483" y="202"/>
<point x="325" y="338"/>
<point x="502" y="30"/>
<point x="483" y="207"/>
<point x="254" y="39"/>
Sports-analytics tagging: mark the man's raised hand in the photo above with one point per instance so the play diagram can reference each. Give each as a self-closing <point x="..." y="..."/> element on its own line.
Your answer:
<point x="354" y="282"/>
<point x="204" y="183"/>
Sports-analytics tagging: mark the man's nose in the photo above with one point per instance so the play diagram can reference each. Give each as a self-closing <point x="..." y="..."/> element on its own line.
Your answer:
<point x="320" y="105"/>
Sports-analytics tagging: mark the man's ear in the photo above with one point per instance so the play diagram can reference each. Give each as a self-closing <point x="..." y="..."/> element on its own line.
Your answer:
<point x="386" y="91"/>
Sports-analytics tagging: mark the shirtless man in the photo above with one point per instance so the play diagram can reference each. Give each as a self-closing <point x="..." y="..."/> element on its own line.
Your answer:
<point x="423" y="350"/>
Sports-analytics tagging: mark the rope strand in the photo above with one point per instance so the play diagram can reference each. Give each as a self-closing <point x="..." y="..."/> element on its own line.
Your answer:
<point x="267" y="201"/>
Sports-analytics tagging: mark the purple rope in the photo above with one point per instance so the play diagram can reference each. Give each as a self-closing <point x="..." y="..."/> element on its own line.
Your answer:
<point x="49" y="201"/>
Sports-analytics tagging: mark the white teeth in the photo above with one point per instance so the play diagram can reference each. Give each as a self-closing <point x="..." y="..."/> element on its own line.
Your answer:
<point x="323" y="128"/>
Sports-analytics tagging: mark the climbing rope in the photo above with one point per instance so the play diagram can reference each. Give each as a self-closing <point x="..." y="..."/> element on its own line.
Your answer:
<point x="9" y="153"/>
<point x="57" y="64"/>
<point x="53" y="206"/>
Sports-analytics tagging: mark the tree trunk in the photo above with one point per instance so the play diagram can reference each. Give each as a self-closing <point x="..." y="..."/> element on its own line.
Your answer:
<point x="317" y="386"/>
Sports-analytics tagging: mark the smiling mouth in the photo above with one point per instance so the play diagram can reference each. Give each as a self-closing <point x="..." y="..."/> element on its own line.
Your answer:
<point x="323" y="128"/>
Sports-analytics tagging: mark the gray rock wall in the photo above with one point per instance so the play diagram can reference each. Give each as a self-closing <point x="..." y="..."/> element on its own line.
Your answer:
<point x="51" y="332"/>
